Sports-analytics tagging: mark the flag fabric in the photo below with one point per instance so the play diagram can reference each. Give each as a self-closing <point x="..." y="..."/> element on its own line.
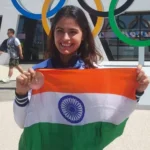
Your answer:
<point x="79" y="109"/>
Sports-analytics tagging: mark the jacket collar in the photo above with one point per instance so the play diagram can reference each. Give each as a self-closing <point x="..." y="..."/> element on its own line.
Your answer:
<point x="74" y="63"/>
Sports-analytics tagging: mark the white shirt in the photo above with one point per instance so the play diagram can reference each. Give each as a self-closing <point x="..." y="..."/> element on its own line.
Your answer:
<point x="17" y="42"/>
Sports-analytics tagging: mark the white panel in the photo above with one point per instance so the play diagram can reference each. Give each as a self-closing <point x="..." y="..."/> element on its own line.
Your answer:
<point x="136" y="6"/>
<point x="28" y="5"/>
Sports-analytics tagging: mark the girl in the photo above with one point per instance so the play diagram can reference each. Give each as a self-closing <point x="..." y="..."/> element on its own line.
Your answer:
<point x="70" y="45"/>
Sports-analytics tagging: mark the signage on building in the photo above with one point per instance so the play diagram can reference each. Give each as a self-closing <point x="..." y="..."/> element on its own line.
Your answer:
<point x="132" y="34"/>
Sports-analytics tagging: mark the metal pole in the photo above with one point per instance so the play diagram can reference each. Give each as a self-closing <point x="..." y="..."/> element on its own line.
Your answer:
<point x="141" y="57"/>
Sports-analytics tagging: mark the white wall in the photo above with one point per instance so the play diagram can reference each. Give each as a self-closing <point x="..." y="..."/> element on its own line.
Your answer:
<point x="136" y="6"/>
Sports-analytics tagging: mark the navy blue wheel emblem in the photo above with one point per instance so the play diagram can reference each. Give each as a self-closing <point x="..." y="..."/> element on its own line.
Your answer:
<point x="71" y="108"/>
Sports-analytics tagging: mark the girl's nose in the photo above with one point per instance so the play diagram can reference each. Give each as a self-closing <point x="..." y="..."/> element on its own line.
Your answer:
<point x="66" y="36"/>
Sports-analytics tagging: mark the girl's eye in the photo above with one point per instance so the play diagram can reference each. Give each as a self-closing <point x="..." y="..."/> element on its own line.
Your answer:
<point x="73" y="32"/>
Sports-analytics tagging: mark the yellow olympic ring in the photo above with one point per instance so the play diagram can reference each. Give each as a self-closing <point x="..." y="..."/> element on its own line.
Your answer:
<point x="44" y="18"/>
<point x="100" y="20"/>
<point x="96" y="29"/>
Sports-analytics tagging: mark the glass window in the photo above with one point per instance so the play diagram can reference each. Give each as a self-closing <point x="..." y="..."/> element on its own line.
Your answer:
<point x="133" y="25"/>
<point x="145" y="32"/>
<point x="0" y="21"/>
<point x="147" y="53"/>
<point x="145" y="26"/>
<point x="32" y="36"/>
<point x="115" y="49"/>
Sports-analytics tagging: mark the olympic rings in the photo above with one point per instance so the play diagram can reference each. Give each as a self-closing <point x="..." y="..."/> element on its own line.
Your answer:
<point x="38" y="16"/>
<point x="96" y="29"/>
<point x="105" y="14"/>
<point x="118" y="33"/>
<point x="99" y="13"/>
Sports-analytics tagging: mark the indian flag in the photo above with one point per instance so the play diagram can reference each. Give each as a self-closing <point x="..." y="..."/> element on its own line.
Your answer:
<point x="79" y="109"/>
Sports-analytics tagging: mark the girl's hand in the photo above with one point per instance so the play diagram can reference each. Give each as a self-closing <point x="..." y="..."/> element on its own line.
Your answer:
<point x="23" y="81"/>
<point x="1" y="52"/>
<point x="142" y="79"/>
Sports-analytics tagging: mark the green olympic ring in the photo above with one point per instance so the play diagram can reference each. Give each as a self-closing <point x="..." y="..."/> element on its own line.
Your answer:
<point x="117" y="31"/>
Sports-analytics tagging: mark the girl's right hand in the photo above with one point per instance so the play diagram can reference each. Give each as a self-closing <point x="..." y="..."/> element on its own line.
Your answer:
<point x="23" y="81"/>
<point x="1" y="52"/>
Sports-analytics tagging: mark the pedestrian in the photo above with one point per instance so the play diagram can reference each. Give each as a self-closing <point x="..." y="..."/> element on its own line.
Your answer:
<point x="12" y="46"/>
<point x="71" y="45"/>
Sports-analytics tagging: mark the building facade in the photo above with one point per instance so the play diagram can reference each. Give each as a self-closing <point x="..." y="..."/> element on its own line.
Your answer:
<point x="133" y="22"/>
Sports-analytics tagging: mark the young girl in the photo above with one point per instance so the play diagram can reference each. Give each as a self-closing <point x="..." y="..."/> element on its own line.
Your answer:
<point x="70" y="45"/>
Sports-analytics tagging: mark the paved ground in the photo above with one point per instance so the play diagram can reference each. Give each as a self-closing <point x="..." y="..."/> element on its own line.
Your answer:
<point x="9" y="132"/>
<point x="4" y="74"/>
<point x="135" y="137"/>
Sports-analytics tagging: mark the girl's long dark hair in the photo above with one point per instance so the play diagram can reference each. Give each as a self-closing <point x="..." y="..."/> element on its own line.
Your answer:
<point x="87" y="50"/>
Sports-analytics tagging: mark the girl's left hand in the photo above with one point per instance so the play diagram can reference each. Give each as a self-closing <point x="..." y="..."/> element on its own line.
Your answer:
<point x="142" y="79"/>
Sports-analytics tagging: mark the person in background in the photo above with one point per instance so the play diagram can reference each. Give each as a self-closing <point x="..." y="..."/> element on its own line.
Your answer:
<point x="12" y="46"/>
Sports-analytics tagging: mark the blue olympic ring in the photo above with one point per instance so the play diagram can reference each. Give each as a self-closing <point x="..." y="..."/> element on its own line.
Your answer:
<point x="38" y="16"/>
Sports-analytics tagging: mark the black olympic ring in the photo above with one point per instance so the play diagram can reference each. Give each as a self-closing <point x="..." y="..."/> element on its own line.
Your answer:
<point x="119" y="10"/>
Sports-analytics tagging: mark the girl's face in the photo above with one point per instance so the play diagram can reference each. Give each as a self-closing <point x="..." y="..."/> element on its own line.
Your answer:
<point x="68" y="36"/>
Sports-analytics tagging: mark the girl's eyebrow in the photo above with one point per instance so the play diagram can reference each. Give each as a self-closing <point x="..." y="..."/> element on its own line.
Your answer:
<point x="74" y="29"/>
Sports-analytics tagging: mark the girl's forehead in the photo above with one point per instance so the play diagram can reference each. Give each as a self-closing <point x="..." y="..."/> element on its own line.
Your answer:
<point x="68" y="23"/>
<point x="64" y="21"/>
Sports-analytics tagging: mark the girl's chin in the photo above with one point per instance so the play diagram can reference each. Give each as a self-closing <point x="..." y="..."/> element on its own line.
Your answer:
<point x="65" y="52"/>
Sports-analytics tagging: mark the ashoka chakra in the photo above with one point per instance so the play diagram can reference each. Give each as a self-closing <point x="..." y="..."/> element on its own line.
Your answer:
<point x="71" y="108"/>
